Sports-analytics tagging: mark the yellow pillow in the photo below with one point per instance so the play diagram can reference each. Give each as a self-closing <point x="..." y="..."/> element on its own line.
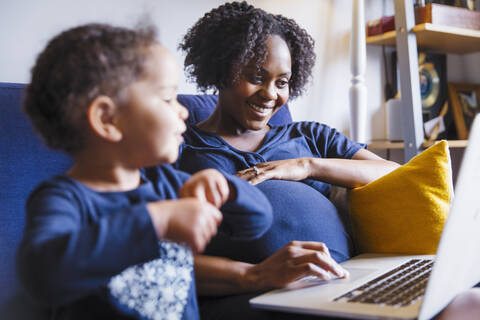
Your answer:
<point x="405" y="210"/>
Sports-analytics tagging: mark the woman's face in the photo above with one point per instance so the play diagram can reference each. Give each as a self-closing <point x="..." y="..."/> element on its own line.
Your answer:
<point x="260" y="92"/>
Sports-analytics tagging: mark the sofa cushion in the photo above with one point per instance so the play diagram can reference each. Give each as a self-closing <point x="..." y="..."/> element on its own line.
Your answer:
<point x="25" y="162"/>
<point x="405" y="210"/>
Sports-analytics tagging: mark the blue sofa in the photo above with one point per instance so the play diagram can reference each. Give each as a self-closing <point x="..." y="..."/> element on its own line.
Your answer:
<point x="25" y="162"/>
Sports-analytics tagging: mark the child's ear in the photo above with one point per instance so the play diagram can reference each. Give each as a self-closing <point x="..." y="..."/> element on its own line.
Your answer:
<point x="101" y="117"/>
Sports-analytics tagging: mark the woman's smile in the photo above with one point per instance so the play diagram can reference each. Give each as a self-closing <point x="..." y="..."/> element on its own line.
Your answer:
<point x="261" y="111"/>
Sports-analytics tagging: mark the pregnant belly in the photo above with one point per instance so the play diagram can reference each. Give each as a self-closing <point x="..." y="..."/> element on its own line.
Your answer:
<point x="299" y="213"/>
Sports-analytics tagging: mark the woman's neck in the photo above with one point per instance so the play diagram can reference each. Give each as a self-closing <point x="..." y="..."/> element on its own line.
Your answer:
<point x="232" y="132"/>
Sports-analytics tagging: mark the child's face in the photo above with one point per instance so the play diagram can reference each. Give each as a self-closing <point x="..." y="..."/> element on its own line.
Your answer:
<point x="152" y="120"/>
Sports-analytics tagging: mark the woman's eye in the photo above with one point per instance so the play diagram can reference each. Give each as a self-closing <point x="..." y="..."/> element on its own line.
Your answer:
<point x="282" y="83"/>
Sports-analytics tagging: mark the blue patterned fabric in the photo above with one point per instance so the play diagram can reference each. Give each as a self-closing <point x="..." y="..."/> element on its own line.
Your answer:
<point x="156" y="290"/>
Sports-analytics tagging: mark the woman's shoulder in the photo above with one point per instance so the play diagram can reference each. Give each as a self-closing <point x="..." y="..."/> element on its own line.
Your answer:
<point x="300" y="125"/>
<point x="302" y="128"/>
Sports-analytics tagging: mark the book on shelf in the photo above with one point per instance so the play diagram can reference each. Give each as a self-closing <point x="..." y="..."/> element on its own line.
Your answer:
<point x="447" y="16"/>
<point x="434" y="13"/>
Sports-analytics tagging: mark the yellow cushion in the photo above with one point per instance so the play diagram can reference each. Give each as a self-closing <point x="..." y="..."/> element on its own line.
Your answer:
<point x="405" y="210"/>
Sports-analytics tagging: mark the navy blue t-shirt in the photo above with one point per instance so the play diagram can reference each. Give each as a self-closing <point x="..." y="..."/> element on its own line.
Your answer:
<point x="301" y="209"/>
<point x="81" y="247"/>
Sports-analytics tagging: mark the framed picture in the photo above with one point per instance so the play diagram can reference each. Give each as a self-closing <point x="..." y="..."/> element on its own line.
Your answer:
<point x="465" y="102"/>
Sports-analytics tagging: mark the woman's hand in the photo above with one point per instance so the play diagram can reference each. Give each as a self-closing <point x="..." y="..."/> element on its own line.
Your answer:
<point x="290" y="169"/>
<point x="296" y="260"/>
<point x="207" y="185"/>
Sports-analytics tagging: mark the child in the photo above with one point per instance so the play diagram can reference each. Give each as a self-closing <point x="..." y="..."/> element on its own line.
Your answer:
<point x="104" y="240"/>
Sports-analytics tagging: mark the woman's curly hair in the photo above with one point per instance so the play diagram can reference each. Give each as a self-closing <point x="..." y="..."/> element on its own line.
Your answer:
<point x="230" y="37"/>
<point x="77" y="66"/>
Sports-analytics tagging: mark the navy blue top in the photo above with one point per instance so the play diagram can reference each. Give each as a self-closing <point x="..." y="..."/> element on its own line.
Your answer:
<point x="301" y="209"/>
<point x="76" y="239"/>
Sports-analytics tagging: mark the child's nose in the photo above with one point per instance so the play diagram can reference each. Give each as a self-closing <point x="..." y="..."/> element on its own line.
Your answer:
<point x="182" y="111"/>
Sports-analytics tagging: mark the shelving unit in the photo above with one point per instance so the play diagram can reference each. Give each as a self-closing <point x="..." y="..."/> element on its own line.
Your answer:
<point x="435" y="37"/>
<point x="385" y="144"/>
<point x="406" y="38"/>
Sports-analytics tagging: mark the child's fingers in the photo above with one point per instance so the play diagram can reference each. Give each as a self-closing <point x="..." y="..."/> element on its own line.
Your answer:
<point x="213" y="196"/>
<point x="198" y="192"/>
<point x="211" y="217"/>
<point x="224" y="189"/>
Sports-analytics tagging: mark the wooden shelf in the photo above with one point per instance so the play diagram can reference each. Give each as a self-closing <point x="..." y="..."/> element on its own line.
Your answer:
<point x="385" y="144"/>
<point x="436" y="37"/>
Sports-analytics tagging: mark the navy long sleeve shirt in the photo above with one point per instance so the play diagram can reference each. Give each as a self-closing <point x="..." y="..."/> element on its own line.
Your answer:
<point x="76" y="239"/>
<point x="301" y="209"/>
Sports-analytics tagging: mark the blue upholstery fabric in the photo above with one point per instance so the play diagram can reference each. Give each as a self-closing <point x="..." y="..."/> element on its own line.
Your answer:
<point x="24" y="162"/>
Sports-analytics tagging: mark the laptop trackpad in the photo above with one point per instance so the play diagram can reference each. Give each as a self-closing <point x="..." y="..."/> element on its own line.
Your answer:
<point x="355" y="274"/>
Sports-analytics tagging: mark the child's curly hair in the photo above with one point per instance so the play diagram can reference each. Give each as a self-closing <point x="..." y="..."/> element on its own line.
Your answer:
<point x="232" y="36"/>
<point x="77" y="66"/>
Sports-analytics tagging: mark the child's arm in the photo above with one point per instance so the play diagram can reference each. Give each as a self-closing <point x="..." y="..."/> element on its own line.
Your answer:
<point x="247" y="213"/>
<point x="68" y="252"/>
<point x="70" y="249"/>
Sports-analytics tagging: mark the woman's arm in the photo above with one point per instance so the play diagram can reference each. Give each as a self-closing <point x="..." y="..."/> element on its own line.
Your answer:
<point x="362" y="169"/>
<point x="222" y="276"/>
<point x="217" y="276"/>
<point x="365" y="167"/>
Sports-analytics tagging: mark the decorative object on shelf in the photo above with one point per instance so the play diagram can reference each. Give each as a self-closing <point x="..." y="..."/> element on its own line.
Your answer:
<point x="448" y="15"/>
<point x="468" y="4"/>
<point x="394" y="114"/>
<point x="432" y="69"/>
<point x="465" y="102"/>
<point x="429" y="81"/>
<point x="437" y="115"/>
<point x="379" y="26"/>
<point x="434" y="127"/>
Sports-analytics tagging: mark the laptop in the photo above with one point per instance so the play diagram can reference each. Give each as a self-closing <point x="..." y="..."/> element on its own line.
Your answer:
<point x="401" y="286"/>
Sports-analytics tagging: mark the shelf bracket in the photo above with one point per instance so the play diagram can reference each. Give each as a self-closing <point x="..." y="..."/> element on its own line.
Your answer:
<point x="412" y="121"/>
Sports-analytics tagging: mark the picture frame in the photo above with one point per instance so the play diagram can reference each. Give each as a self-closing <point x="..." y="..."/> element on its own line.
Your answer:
<point x="465" y="103"/>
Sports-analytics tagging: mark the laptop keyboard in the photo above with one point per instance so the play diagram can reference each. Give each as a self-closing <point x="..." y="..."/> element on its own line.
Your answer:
<point x="398" y="287"/>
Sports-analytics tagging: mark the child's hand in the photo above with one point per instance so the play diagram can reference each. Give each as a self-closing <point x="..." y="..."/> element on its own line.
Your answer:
<point x="207" y="185"/>
<point x="188" y="221"/>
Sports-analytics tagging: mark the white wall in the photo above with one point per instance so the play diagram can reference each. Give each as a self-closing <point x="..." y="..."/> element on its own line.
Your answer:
<point x="26" y="26"/>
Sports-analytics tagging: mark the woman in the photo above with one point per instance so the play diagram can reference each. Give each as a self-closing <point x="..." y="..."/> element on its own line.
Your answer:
<point x="257" y="61"/>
